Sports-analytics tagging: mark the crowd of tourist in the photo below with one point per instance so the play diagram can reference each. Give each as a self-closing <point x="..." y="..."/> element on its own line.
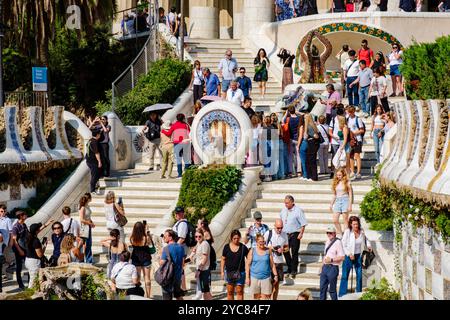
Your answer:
<point x="288" y="9"/>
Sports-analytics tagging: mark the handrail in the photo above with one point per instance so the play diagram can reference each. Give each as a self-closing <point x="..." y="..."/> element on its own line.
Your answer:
<point x="152" y="37"/>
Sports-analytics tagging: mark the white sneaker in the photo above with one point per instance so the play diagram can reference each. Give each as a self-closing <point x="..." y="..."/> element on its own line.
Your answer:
<point x="285" y="281"/>
<point x="198" y="296"/>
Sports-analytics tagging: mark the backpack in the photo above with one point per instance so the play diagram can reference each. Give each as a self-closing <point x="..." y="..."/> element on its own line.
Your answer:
<point x="153" y="132"/>
<point x="190" y="236"/>
<point x="353" y="140"/>
<point x="212" y="258"/>
<point x="165" y="275"/>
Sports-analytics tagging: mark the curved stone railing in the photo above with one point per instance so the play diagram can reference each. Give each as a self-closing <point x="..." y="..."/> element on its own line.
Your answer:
<point x="15" y="156"/>
<point x="420" y="153"/>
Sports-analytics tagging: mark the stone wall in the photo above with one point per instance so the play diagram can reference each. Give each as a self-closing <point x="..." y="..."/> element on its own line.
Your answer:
<point x="423" y="268"/>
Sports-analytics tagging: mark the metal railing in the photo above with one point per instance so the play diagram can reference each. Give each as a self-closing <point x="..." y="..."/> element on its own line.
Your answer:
<point x="24" y="99"/>
<point x="141" y="64"/>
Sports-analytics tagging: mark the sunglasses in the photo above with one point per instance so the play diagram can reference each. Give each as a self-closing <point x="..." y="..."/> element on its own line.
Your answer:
<point x="329" y="232"/>
<point x="198" y="237"/>
<point x="279" y="228"/>
<point x="395" y="47"/>
<point x="57" y="228"/>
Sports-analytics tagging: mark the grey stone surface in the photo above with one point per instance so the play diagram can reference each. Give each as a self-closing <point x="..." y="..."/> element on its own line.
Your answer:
<point x="421" y="276"/>
<point x="414" y="272"/>
<point x="437" y="261"/>
<point x="446" y="293"/>
<point x="438" y="286"/>
<point x="445" y="263"/>
<point x="428" y="280"/>
<point x="421" y="294"/>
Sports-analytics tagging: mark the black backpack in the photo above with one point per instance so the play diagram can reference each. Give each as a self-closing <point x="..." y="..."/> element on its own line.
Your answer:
<point x="153" y="132"/>
<point x="165" y="275"/>
<point x="212" y="259"/>
<point x="190" y="236"/>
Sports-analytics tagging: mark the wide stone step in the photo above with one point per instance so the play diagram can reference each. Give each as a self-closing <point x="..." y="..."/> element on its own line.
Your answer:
<point x="134" y="211"/>
<point x="130" y="193"/>
<point x="151" y="184"/>
<point x="313" y="212"/>
<point x="278" y="198"/>
<point x="306" y="205"/>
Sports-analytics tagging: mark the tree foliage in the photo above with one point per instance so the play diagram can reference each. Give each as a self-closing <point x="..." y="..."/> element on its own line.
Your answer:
<point x="166" y="80"/>
<point x="426" y="68"/>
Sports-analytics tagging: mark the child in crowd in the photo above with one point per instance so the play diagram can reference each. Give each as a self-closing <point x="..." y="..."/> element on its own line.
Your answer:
<point x="304" y="295"/>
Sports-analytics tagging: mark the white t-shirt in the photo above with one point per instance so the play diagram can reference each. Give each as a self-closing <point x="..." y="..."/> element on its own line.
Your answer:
<point x="351" y="67"/>
<point x="236" y="97"/>
<point x="124" y="273"/>
<point x="393" y="61"/>
<point x="110" y="216"/>
<point x="343" y="58"/>
<point x="74" y="228"/>
<point x="276" y="240"/>
<point x="198" y="76"/>
<point x="227" y="67"/>
<point x="202" y="249"/>
<point x="377" y="86"/>
<point x="351" y="123"/>
<point x="323" y="130"/>
<point x="181" y="228"/>
<point x="334" y="124"/>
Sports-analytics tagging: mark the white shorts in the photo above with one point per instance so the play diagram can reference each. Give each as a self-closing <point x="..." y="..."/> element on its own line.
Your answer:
<point x="261" y="286"/>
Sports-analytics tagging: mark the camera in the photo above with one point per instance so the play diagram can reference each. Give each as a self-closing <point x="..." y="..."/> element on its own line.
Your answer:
<point x="275" y="250"/>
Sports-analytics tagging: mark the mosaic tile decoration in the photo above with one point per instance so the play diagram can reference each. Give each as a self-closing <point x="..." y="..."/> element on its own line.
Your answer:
<point x="40" y="140"/>
<point x="205" y="125"/>
<point x="348" y="27"/>
<point x="15" y="192"/>
<point x="12" y="132"/>
<point x="437" y="261"/>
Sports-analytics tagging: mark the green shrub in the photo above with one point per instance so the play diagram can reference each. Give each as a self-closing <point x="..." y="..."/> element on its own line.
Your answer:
<point x="376" y="208"/>
<point x="381" y="290"/>
<point x="205" y="191"/>
<point x="166" y="80"/>
<point x="426" y="67"/>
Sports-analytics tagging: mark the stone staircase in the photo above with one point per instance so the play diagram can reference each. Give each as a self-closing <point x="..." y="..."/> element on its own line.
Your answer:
<point x="314" y="198"/>
<point x="210" y="52"/>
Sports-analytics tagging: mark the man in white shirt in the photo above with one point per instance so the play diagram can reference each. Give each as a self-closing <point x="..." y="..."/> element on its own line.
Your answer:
<point x="227" y="70"/>
<point x="277" y="240"/>
<point x="124" y="276"/>
<point x="351" y="70"/>
<point x="70" y="225"/>
<point x="364" y="78"/>
<point x="234" y="94"/>
<point x="294" y="223"/>
<point x="333" y="131"/>
<point x="356" y="126"/>
<point x="181" y="229"/>
<point x="342" y="56"/>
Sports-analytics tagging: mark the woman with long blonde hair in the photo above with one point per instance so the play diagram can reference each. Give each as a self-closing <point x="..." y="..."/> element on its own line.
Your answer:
<point x="308" y="141"/>
<point x="342" y="200"/>
<point x="69" y="251"/>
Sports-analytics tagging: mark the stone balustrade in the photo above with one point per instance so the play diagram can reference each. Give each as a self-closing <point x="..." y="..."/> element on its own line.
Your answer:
<point x="420" y="151"/>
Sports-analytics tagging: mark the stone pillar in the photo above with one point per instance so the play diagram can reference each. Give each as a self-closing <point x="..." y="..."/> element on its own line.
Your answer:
<point x="238" y="18"/>
<point x="225" y="19"/>
<point x="204" y="19"/>
<point x="257" y="13"/>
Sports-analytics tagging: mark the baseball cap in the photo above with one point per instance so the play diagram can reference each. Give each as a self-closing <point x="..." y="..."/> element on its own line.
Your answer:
<point x="331" y="228"/>
<point x="257" y="215"/>
<point x="179" y="210"/>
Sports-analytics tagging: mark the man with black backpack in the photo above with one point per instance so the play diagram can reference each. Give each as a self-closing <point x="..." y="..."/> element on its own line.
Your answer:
<point x="171" y="268"/>
<point x="185" y="232"/>
<point x="152" y="131"/>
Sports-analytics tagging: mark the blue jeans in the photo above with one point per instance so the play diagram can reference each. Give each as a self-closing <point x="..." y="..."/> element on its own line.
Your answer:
<point x="364" y="98"/>
<point x="378" y="142"/>
<point x="293" y="158"/>
<point x="347" y="265"/>
<point x="353" y="98"/>
<point x="328" y="278"/>
<point x="303" y="149"/>
<point x="283" y="161"/>
<point x="182" y="153"/>
<point x="88" y="258"/>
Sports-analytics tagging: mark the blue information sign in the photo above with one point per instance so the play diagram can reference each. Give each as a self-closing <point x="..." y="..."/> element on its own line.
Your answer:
<point x="39" y="79"/>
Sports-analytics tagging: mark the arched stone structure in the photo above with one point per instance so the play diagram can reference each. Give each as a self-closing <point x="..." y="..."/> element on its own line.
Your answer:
<point x="331" y="28"/>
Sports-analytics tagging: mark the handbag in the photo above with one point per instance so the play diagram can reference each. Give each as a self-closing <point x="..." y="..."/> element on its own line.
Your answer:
<point x="152" y="249"/>
<point x="234" y="276"/>
<point x="367" y="256"/>
<point x="120" y="219"/>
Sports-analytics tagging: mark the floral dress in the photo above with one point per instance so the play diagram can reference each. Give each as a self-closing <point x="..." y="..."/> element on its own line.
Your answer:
<point x="261" y="74"/>
<point x="284" y="10"/>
